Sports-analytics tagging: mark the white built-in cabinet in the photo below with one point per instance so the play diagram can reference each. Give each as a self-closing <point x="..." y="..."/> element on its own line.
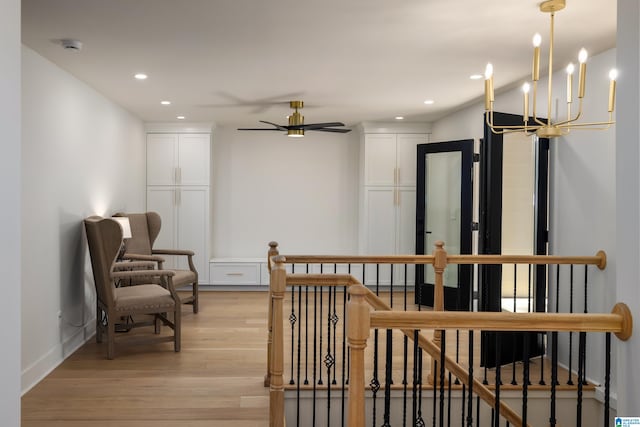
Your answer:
<point x="178" y="189"/>
<point x="388" y="197"/>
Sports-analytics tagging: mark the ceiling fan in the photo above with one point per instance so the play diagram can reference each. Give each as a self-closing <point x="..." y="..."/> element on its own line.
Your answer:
<point x="296" y="126"/>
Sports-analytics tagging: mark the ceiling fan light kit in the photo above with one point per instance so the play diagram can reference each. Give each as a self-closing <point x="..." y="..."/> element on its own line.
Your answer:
<point x="296" y="126"/>
<point x="547" y="128"/>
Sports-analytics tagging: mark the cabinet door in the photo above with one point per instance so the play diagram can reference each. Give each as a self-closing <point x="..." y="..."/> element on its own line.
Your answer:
<point x="193" y="159"/>
<point x="163" y="201"/>
<point x="406" y="232"/>
<point x="406" y="155"/>
<point x="193" y="228"/>
<point x="380" y="220"/>
<point x="380" y="159"/>
<point x="161" y="158"/>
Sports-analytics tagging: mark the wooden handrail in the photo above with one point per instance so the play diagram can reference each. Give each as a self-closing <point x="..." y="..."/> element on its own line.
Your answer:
<point x="618" y="322"/>
<point x="599" y="260"/>
<point x="321" y="280"/>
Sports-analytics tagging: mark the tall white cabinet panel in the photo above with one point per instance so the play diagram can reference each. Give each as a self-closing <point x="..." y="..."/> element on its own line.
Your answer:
<point x="178" y="189"/>
<point x="389" y="200"/>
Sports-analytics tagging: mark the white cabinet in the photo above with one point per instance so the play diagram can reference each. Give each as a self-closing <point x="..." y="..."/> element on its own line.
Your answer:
<point x="178" y="159"/>
<point x="388" y="210"/>
<point x="178" y="189"/>
<point x="390" y="159"/>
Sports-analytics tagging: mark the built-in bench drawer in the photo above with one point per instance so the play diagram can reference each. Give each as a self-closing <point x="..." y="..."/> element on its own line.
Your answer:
<point x="230" y="273"/>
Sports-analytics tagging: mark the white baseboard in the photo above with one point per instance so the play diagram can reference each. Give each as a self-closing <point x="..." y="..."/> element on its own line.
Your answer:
<point x="36" y="372"/>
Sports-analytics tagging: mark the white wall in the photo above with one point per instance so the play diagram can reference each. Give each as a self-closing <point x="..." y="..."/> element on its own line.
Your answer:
<point x="627" y="198"/>
<point x="582" y="186"/>
<point x="10" y="212"/>
<point x="81" y="155"/>
<point x="303" y="193"/>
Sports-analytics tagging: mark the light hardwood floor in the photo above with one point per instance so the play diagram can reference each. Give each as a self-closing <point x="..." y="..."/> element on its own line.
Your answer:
<point x="216" y="380"/>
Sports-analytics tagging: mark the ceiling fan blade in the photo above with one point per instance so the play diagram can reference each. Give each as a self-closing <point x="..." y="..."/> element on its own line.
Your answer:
<point x="311" y="126"/>
<point x="331" y="130"/>
<point x="280" y="127"/>
<point x="260" y="129"/>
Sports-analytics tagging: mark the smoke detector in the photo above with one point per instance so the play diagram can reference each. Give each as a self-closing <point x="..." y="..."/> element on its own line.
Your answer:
<point x="71" y="45"/>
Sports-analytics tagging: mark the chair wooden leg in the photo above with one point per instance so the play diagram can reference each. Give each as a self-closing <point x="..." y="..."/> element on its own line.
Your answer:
<point x="157" y="323"/>
<point x="98" y="325"/>
<point x="111" y="337"/>
<point x="177" y="317"/>
<point x="195" y="297"/>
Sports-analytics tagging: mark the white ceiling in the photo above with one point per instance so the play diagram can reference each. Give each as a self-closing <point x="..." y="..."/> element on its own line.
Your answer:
<point x="233" y="62"/>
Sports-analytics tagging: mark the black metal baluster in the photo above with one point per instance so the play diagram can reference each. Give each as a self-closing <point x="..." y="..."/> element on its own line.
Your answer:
<point x="344" y="346"/>
<point x="478" y="411"/>
<point x="515" y="309"/>
<point x="554" y="377"/>
<point x="306" y="334"/>
<point x="582" y="339"/>
<point x="320" y="382"/>
<point x="449" y="399"/>
<point x="525" y="378"/>
<point x="405" y="347"/>
<point x="387" y="380"/>
<point x="299" y="355"/>
<point x="443" y="346"/>
<point x="485" y="381"/>
<point x="529" y="291"/>
<point x="375" y="383"/>
<point x="470" y="382"/>
<point x="292" y="321"/>
<point x="569" y="380"/>
<point x="586" y="310"/>
<point x="464" y="402"/>
<point x="498" y="380"/>
<point x="334" y="320"/>
<point x="607" y="377"/>
<point x="315" y="350"/>
<point x="329" y="360"/>
<point x="419" y="420"/>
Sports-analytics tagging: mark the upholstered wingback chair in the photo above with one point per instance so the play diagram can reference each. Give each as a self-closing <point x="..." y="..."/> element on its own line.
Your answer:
<point x="145" y="228"/>
<point x="104" y="237"/>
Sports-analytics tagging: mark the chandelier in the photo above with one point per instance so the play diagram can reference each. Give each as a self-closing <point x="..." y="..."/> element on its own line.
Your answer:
<point x="546" y="128"/>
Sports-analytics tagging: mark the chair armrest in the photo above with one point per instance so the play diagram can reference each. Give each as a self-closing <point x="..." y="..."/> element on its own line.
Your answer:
<point x="141" y="273"/>
<point x="173" y="252"/>
<point x="142" y="257"/>
<point x="134" y="265"/>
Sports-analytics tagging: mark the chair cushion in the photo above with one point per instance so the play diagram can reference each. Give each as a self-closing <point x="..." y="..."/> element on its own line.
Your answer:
<point x="183" y="277"/>
<point x="142" y="298"/>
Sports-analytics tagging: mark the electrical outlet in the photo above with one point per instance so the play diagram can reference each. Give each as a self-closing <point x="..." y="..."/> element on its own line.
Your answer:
<point x="59" y="315"/>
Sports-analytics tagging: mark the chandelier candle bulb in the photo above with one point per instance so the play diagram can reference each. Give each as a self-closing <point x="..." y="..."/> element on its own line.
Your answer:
<point x="525" y="90"/>
<point x="488" y="86"/>
<point x="613" y="75"/>
<point x="570" y="70"/>
<point x="582" y="57"/>
<point x="535" y="73"/>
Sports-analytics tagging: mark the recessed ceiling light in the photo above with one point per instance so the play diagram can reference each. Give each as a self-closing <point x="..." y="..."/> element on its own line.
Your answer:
<point x="141" y="76"/>
<point x="475" y="76"/>
<point x="399" y="118"/>
<point x="180" y="117"/>
<point x="165" y="102"/>
<point x="428" y="101"/>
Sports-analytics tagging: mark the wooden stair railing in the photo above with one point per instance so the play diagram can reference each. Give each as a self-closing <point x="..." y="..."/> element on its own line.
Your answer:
<point x="360" y="318"/>
<point x="279" y="280"/>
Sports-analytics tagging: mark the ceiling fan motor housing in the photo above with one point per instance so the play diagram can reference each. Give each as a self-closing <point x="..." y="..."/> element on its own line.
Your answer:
<point x="296" y="119"/>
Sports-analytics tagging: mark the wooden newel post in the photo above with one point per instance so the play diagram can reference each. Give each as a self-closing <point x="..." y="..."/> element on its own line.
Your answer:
<point x="439" y="265"/>
<point x="357" y="334"/>
<point x="276" y="370"/>
<point x="273" y="251"/>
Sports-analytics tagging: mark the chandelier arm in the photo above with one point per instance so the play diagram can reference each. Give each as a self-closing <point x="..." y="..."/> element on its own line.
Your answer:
<point x="591" y="125"/>
<point x="576" y="118"/>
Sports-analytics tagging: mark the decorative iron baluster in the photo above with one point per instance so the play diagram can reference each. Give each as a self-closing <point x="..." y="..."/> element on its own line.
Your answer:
<point x="344" y="344"/>
<point x="292" y="321"/>
<point x="320" y="382"/>
<point x="299" y="354"/>
<point x="334" y="320"/>
<point x="464" y="401"/>
<point x="329" y="359"/>
<point x="607" y="377"/>
<point x="387" y="380"/>
<point x="434" y="399"/>
<point x="374" y="385"/>
<point x="586" y="310"/>
<point x="405" y="348"/>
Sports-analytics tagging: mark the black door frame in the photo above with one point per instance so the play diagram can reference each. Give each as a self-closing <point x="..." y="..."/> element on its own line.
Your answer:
<point x="454" y="298"/>
<point x="490" y="240"/>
